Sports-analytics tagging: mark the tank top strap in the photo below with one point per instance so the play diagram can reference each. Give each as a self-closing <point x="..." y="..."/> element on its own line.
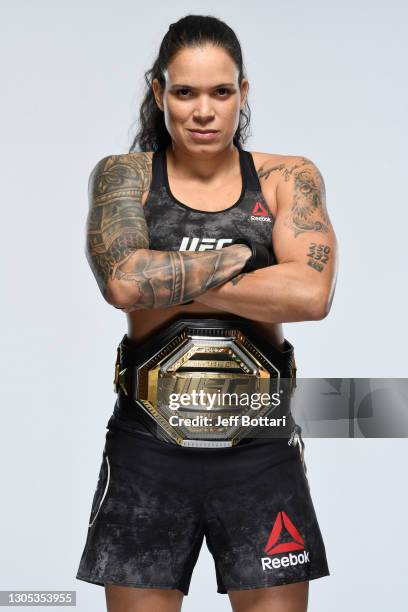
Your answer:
<point x="250" y="174"/>
<point x="158" y="176"/>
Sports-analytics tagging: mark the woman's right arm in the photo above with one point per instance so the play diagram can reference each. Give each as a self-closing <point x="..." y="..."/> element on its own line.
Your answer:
<point x="130" y="276"/>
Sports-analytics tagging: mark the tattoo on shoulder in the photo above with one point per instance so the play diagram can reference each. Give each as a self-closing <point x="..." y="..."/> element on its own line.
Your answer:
<point x="264" y="171"/>
<point x="318" y="256"/>
<point x="308" y="211"/>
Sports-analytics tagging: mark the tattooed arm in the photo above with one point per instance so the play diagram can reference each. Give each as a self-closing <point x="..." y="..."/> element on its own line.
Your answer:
<point x="130" y="276"/>
<point x="301" y="287"/>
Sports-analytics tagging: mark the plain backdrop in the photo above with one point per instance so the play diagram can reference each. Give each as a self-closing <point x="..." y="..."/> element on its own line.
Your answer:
<point x="328" y="81"/>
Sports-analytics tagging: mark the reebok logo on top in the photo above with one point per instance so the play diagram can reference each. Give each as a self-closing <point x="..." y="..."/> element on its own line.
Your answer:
<point x="274" y="547"/>
<point x="259" y="213"/>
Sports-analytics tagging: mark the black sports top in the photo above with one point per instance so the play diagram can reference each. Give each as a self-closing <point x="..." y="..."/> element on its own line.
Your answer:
<point x="174" y="226"/>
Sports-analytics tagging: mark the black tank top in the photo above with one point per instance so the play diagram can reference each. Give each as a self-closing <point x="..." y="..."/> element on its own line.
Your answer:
<point x="174" y="226"/>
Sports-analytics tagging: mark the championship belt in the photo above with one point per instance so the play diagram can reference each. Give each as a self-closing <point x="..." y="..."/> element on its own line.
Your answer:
<point x="197" y="379"/>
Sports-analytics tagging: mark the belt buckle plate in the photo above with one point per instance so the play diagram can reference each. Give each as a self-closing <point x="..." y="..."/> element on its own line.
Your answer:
<point x="209" y="360"/>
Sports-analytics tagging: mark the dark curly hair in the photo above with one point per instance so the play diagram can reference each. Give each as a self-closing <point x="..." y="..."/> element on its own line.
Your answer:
<point x="189" y="31"/>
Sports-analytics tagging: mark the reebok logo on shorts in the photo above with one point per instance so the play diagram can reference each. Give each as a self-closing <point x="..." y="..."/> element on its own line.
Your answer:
<point x="259" y="213"/>
<point x="274" y="547"/>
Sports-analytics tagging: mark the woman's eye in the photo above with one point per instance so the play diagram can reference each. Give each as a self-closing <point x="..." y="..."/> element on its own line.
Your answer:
<point x="180" y="90"/>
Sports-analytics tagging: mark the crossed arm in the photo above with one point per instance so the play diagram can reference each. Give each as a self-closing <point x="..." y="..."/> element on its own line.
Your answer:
<point x="131" y="276"/>
<point x="301" y="287"/>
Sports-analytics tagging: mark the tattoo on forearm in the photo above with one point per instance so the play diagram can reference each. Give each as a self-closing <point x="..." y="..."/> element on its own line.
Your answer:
<point x="318" y="256"/>
<point x="165" y="278"/>
<point x="237" y="278"/>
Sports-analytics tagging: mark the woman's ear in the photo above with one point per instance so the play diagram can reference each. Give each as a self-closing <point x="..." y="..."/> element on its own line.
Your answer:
<point x="157" y="92"/>
<point x="244" y="92"/>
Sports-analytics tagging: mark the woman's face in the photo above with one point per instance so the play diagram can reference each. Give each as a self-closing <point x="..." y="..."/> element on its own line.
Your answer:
<point x="201" y="93"/>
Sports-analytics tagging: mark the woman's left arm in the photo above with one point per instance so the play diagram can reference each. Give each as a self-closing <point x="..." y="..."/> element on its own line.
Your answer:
<point x="300" y="287"/>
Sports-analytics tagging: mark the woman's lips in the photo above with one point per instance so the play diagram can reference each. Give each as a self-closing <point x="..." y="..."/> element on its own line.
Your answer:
<point x="203" y="135"/>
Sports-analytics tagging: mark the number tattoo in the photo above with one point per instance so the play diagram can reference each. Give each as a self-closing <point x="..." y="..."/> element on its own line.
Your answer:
<point x="318" y="256"/>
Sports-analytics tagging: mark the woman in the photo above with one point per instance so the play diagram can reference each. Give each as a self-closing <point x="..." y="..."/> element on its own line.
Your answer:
<point x="193" y="226"/>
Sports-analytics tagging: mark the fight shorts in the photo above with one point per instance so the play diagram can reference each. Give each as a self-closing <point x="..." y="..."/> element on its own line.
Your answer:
<point x="155" y="502"/>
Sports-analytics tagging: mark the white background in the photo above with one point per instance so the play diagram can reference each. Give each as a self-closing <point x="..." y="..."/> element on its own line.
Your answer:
<point x="327" y="81"/>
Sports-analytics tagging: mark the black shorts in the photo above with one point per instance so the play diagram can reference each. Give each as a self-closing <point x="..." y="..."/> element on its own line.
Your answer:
<point x="155" y="502"/>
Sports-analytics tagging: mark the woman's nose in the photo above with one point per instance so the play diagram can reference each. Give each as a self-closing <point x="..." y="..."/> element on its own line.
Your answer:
<point x="203" y="109"/>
